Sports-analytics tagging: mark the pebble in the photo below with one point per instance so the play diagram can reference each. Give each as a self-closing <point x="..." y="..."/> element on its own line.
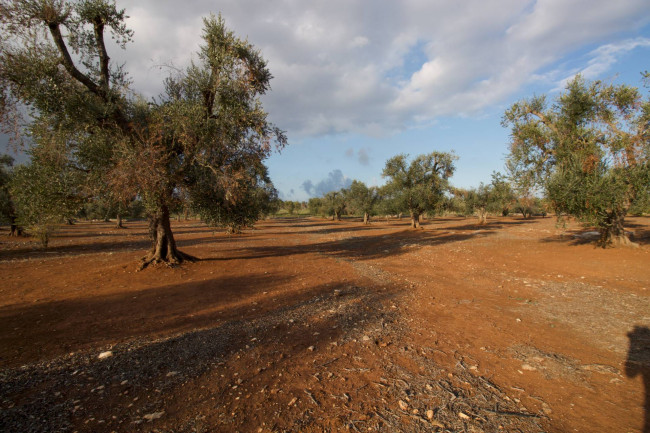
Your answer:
<point x="403" y="405"/>
<point x="105" y="355"/>
<point x="153" y="416"/>
<point x="429" y="414"/>
<point x="461" y="415"/>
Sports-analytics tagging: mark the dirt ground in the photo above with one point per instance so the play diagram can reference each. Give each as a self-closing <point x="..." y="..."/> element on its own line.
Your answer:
<point x="310" y="325"/>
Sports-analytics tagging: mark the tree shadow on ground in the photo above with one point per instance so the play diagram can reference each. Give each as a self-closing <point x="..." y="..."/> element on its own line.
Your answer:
<point x="43" y="396"/>
<point x="638" y="364"/>
<point x="33" y="250"/>
<point x="357" y="247"/>
<point x="60" y="326"/>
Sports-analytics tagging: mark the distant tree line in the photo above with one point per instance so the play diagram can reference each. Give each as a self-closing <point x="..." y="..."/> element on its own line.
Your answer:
<point x="421" y="187"/>
<point x="586" y="156"/>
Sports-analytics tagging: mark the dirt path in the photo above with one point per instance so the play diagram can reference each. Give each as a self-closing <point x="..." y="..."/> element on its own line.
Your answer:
<point x="313" y="325"/>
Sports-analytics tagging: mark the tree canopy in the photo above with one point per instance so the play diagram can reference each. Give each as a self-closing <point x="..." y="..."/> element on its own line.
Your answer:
<point x="204" y="139"/>
<point x="420" y="185"/>
<point x="589" y="152"/>
<point x="362" y="199"/>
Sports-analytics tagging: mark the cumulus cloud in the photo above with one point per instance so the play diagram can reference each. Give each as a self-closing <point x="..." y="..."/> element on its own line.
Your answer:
<point x="334" y="181"/>
<point x="375" y="67"/>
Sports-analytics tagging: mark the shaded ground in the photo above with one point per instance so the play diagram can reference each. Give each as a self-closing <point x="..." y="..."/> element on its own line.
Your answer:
<point x="311" y="325"/>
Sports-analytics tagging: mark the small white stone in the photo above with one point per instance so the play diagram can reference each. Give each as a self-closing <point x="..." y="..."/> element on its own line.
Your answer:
<point x="105" y="355"/>
<point x="153" y="416"/>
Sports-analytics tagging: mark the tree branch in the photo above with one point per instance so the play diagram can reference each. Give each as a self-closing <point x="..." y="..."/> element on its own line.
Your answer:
<point x="103" y="55"/>
<point x="69" y="64"/>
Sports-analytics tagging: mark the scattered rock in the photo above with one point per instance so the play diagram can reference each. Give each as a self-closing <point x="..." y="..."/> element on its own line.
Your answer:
<point x="461" y="415"/>
<point x="311" y="348"/>
<point x="528" y="367"/>
<point x="293" y="401"/>
<point x="403" y="405"/>
<point x="153" y="416"/>
<point x="172" y="373"/>
<point x="105" y="355"/>
<point x="429" y="414"/>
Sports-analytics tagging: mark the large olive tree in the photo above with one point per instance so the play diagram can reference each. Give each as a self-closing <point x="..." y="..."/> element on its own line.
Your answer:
<point x="589" y="151"/>
<point x="205" y="138"/>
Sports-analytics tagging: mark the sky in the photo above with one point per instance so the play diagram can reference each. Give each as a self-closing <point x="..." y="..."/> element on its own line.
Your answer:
<point x="359" y="81"/>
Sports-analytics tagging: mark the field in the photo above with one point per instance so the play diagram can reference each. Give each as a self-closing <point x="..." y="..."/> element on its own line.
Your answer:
<point x="309" y="325"/>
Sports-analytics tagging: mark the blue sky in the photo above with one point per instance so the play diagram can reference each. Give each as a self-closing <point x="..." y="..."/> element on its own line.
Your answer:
<point x="358" y="81"/>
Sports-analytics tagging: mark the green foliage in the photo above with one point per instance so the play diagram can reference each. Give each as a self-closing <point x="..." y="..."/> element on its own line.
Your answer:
<point x="502" y="195"/>
<point x="238" y="206"/>
<point x="588" y="152"/>
<point x="334" y="204"/>
<point x="7" y="210"/>
<point x="419" y="186"/>
<point x="316" y="206"/>
<point x="45" y="193"/>
<point x="361" y="199"/>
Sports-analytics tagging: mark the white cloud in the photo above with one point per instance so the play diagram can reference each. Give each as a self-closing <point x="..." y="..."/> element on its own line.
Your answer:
<point x="374" y="67"/>
<point x="359" y="42"/>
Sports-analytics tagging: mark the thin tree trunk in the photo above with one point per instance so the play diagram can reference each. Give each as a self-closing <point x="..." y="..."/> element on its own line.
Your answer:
<point x="366" y="218"/>
<point x="15" y="230"/>
<point x="119" y="224"/>
<point x="163" y="244"/>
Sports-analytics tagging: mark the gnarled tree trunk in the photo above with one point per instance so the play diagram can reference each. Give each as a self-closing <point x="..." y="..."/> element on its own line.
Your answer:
<point x="613" y="233"/>
<point x="164" y="246"/>
<point x="482" y="216"/>
<point x="415" y="220"/>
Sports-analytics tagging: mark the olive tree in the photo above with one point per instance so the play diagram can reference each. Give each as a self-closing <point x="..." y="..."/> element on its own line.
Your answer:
<point x="45" y="192"/>
<point x="362" y="199"/>
<point x="420" y="185"/>
<point x="335" y="204"/>
<point x="206" y="136"/>
<point x="589" y="151"/>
